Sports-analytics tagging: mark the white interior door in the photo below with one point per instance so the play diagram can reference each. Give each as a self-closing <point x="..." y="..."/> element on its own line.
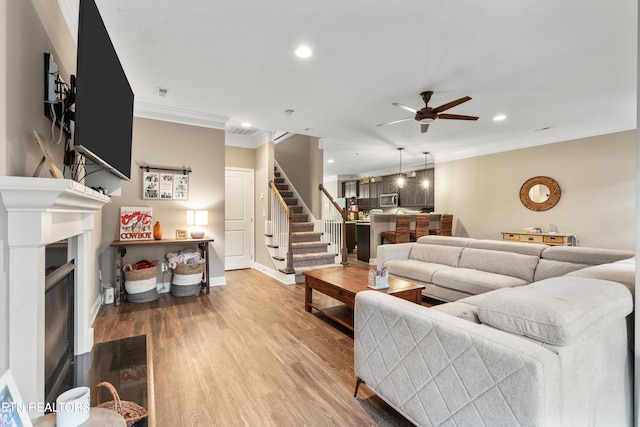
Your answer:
<point x="238" y="222"/>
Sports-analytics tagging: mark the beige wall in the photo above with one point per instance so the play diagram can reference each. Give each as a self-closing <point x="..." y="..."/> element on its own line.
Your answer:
<point x="302" y="162"/>
<point x="596" y="176"/>
<point x="159" y="143"/>
<point x="238" y="157"/>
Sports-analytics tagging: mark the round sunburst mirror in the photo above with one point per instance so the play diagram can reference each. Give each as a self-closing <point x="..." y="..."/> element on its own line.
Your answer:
<point x="540" y="193"/>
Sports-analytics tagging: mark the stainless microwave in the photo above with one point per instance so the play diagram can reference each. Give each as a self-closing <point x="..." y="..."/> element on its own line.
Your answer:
<point x="388" y="200"/>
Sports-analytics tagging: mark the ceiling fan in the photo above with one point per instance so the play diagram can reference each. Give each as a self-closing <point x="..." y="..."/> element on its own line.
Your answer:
<point x="427" y="114"/>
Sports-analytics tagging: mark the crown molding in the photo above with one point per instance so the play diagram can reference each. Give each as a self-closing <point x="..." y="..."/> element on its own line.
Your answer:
<point x="148" y="110"/>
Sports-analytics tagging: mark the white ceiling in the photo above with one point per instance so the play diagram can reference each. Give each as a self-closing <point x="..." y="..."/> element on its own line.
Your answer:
<point x="565" y="65"/>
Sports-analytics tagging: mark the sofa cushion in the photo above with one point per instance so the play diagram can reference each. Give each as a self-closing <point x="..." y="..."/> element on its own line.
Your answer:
<point x="622" y="272"/>
<point x="582" y="255"/>
<point x="534" y="249"/>
<point x="438" y="254"/>
<point x="499" y="262"/>
<point x="555" y="311"/>
<point x="548" y="268"/>
<point x="445" y="240"/>
<point x="414" y="270"/>
<point x="472" y="281"/>
<point x="459" y="309"/>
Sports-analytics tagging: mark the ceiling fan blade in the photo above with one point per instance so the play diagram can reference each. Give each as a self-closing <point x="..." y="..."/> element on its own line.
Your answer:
<point x="424" y="127"/>
<point x="451" y="104"/>
<point x="395" y="121"/>
<point x="411" y="110"/>
<point x="456" y="117"/>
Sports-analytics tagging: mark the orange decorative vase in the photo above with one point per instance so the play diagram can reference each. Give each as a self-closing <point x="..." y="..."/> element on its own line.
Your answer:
<point x="157" y="231"/>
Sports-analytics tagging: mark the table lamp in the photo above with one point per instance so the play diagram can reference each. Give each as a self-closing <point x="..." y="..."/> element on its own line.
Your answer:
<point x="197" y="218"/>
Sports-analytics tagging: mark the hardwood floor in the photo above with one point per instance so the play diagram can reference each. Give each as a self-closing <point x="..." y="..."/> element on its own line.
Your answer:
<point x="247" y="354"/>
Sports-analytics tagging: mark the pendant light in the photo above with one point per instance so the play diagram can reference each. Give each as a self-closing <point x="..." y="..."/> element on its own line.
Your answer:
<point x="425" y="183"/>
<point x="400" y="176"/>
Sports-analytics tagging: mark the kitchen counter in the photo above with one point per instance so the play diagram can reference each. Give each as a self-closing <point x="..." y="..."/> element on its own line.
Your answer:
<point x="386" y="222"/>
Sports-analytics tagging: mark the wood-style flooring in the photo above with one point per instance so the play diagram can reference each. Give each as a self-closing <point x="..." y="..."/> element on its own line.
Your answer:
<point x="247" y="354"/>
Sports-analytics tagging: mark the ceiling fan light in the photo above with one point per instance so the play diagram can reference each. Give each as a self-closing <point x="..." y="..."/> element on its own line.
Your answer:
<point x="426" y="120"/>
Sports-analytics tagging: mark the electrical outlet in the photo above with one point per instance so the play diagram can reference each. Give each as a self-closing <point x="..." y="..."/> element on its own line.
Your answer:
<point x="164" y="267"/>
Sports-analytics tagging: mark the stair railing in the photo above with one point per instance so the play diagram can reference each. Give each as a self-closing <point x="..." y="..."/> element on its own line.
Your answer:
<point x="335" y="226"/>
<point x="281" y="229"/>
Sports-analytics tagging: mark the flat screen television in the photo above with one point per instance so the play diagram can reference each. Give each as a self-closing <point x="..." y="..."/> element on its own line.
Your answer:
<point x="103" y="97"/>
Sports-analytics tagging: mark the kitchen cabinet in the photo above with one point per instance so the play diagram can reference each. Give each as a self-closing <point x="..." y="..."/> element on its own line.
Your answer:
<point x="350" y="189"/>
<point x="413" y="194"/>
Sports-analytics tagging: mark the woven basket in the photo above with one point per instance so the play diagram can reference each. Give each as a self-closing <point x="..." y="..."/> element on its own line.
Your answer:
<point x="130" y="411"/>
<point x="141" y="274"/>
<point x="189" y="268"/>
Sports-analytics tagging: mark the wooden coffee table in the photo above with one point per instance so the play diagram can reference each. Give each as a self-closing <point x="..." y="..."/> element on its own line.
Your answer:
<point x="342" y="284"/>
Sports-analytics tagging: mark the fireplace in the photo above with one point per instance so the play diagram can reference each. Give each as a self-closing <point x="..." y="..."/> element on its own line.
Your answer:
<point x="59" y="320"/>
<point x="40" y="212"/>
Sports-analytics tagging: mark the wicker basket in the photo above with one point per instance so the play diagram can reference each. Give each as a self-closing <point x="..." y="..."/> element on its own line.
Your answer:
<point x="130" y="411"/>
<point x="189" y="268"/>
<point x="141" y="274"/>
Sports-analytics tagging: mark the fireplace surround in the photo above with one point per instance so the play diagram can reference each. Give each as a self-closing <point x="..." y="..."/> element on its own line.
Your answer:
<point x="40" y="211"/>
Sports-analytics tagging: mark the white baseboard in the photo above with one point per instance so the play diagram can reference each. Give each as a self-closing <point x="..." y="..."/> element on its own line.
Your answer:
<point x="287" y="279"/>
<point x="217" y="281"/>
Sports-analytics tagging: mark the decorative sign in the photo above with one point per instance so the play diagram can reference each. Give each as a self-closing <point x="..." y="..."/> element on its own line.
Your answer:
<point x="135" y="223"/>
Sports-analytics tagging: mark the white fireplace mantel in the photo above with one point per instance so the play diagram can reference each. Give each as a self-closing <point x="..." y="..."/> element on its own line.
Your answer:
<point x="41" y="211"/>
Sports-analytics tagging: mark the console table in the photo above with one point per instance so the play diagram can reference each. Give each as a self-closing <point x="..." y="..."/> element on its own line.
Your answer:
<point x="121" y="250"/>
<point x="546" y="238"/>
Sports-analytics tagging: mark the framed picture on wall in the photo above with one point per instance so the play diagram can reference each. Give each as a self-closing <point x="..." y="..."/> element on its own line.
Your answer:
<point x="150" y="185"/>
<point x="166" y="186"/>
<point x="181" y="187"/>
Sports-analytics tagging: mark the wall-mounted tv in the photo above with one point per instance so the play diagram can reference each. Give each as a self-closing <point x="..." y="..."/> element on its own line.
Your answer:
<point x="103" y="97"/>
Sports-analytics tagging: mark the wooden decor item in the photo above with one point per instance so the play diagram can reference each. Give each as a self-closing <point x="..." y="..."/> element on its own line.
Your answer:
<point x="46" y="157"/>
<point x="157" y="231"/>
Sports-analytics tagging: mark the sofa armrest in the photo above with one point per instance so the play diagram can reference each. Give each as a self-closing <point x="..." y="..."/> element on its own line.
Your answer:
<point x="434" y="368"/>
<point x="393" y="251"/>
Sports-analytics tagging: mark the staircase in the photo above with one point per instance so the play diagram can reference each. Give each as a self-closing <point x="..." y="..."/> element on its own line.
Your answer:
<point x="308" y="249"/>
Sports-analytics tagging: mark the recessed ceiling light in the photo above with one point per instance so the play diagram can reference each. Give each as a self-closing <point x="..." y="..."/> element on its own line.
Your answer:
<point x="288" y="112"/>
<point x="330" y="161"/>
<point x="303" y="52"/>
<point x="499" y="118"/>
<point x="246" y="125"/>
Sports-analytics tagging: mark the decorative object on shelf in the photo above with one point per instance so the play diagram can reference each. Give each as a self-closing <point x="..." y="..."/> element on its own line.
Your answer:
<point x="197" y="218"/>
<point x="553" y="229"/>
<point x="130" y="411"/>
<point x="13" y="408"/>
<point x="181" y="234"/>
<point x="165" y="185"/>
<point x="46" y="157"/>
<point x="135" y="223"/>
<point x="540" y="193"/>
<point x="72" y="407"/>
<point x="157" y="231"/>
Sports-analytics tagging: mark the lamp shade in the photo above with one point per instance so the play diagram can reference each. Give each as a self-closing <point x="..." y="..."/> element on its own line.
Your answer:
<point x="202" y="217"/>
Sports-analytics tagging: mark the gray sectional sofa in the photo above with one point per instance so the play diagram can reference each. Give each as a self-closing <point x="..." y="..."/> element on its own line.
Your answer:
<point x="452" y="268"/>
<point x="536" y="335"/>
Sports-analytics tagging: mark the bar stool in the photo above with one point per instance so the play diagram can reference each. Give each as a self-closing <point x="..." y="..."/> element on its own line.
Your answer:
<point x="401" y="233"/>
<point x="422" y="227"/>
<point x="446" y="225"/>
